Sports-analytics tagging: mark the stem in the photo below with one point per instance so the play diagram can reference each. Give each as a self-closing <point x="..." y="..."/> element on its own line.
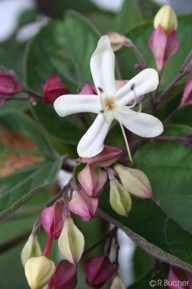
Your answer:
<point x="126" y="143"/>
<point x="172" y="114"/>
<point x="131" y="45"/>
<point x="107" y="235"/>
<point x="187" y="62"/>
<point x="48" y="245"/>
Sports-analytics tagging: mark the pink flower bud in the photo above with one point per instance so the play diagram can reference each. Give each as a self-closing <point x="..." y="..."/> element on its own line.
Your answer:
<point x="52" y="88"/>
<point x="83" y="205"/>
<point x="8" y="84"/>
<point x="163" y="46"/>
<point x="98" y="270"/>
<point x="65" y="276"/>
<point x="52" y="219"/>
<point x="187" y="95"/>
<point x="179" y="279"/>
<point x="88" y="89"/>
<point x="92" y="180"/>
<point x="107" y="157"/>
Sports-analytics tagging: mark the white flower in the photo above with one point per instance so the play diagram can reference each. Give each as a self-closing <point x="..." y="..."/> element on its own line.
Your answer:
<point x="110" y="103"/>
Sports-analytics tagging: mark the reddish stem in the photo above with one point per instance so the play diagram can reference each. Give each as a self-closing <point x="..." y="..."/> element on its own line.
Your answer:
<point x="48" y="245"/>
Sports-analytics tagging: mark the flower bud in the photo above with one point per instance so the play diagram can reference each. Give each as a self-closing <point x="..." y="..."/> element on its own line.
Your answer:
<point x="98" y="270"/>
<point x="65" y="276"/>
<point x="179" y="279"/>
<point x="71" y="241"/>
<point x="187" y="95"/>
<point x="107" y="157"/>
<point x="52" y="88"/>
<point x="38" y="270"/>
<point x="52" y="218"/>
<point x="8" y="84"/>
<point x="88" y="89"/>
<point x="117" y="283"/>
<point x="31" y="249"/>
<point x="166" y="19"/>
<point x="134" y="181"/>
<point x="120" y="198"/>
<point x="163" y="46"/>
<point x="92" y="180"/>
<point x="116" y="40"/>
<point x="83" y="205"/>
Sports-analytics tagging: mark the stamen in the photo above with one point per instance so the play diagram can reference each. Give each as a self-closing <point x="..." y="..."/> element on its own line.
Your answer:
<point x="126" y="143"/>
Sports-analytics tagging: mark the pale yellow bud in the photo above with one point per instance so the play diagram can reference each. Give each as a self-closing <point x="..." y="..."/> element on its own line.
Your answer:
<point x="134" y="181"/>
<point x="117" y="283"/>
<point x="71" y="241"/>
<point x="116" y="40"/>
<point x="38" y="270"/>
<point x="120" y="198"/>
<point x="31" y="249"/>
<point x="166" y="18"/>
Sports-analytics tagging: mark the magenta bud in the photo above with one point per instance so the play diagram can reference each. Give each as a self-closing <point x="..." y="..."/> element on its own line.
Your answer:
<point x="98" y="270"/>
<point x="163" y="45"/>
<point x="88" y="89"/>
<point x="179" y="279"/>
<point x="83" y="205"/>
<point x="92" y="180"/>
<point x="52" y="219"/>
<point x="187" y="95"/>
<point x="65" y="276"/>
<point x="8" y="84"/>
<point x="107" y="157"/>
<point x="53" y="88"/>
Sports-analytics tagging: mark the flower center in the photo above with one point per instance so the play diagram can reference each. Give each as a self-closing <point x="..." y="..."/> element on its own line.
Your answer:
<point x="109" y="104"/>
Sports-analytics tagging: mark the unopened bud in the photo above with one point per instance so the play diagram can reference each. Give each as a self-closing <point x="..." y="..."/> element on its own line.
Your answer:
<point x="53" y="88"/>
<point x="117" y="283"/>
<point x="92" y="180"/>
<point x="31" y="249"/>
<point x="179" y="279"/>
<point x="83" y="205"/>
<point x="38" y="270"/>
<point x="52" y="218"/>
<point x="166" y="19"/>
<point x="116" y="40"/>
<point x="120" y="198"/>
<point x="107" y="157"/>
<point x="98" y="270"/>
<point x="65" y="276"/>
<point x="71" y="241"/>
<point x="8" y="84"/>
<point x="134" y="181"/>
<point x="88" y="89"/>
<point x="187" y="95"/>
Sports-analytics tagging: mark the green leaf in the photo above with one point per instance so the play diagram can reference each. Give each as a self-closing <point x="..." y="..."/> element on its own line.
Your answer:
<point x="168" y="165"/>
<point x="129" y="15"/>
<point x="153" y="231"/>
<point x="140" y="36"/>
<point x="27" y="161"/>
<point x="62" y="48"/>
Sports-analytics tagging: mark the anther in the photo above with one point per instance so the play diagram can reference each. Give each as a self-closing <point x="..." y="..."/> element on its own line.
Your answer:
<point x="100" y="89"/>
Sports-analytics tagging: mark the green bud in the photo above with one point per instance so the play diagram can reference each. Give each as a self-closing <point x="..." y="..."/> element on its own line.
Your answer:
<point x="120" y="198"/>
<point x="134" y="181"/>
<point x="71" y="241"/>
<point x="31" y="249"/>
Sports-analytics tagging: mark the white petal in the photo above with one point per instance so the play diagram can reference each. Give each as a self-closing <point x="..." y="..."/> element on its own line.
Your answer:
<point x="142" y="124"/>
<point x="144" y="82"/>
<point x="103" y="66"/>
<point x="74" y="103"/>
<point x="91" y="143"/>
